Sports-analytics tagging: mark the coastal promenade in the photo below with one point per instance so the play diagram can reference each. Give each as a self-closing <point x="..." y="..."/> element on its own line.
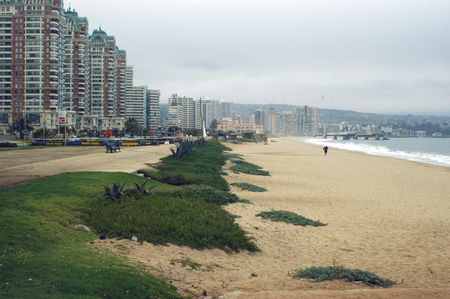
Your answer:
<point x="383" y="215"/>
<point x="19" y="166"/>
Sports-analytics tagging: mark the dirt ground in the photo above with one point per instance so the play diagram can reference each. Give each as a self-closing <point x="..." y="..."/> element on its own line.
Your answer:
<point x="19" y="166"/>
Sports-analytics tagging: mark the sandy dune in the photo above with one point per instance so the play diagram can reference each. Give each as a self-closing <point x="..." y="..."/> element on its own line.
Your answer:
<point x="384" y="215"/>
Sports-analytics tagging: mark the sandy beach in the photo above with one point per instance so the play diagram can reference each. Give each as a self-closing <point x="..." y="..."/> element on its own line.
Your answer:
<point x="387" y="216"/>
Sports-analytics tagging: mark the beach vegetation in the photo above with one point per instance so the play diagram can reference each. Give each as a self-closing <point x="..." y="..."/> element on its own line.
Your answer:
<point x="289" y="217"/>
<point x="202" y="166"/>
<point x="249" y="187"/>
<point x="42" y="256"/>
<point x="209" y="194"/>
<point x="241" y="166"/>
<point x="337" y="272"/>
<point x="163" y="218"/>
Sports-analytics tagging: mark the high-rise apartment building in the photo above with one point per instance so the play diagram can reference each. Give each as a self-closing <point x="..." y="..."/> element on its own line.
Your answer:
<point x="76" y="62"/>
<point x="137" y="104"/>
<point x="187" y="120"/>
<point x="307" y="120"/>
<point x="104" y="97"/>
<point x="31" y="58"/>
<point x="121" y="77"/>
<point x="153" y="109"/>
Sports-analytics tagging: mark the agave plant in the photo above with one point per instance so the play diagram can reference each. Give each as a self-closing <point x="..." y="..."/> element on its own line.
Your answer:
<point x="141" y="188"/>
<point x="182" y="148"/>
<point x="114" y="191"/>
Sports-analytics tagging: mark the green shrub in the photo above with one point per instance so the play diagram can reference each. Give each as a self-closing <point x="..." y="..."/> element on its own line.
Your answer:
<point x="246" y="167"/>
<point x="169" y="219"/>
<point x="202" y="166"/>
<point x="289" y="217"/>
<point x="211" y="195"/>
<point x="339" y="272"/>
<point x="249" y="187"/>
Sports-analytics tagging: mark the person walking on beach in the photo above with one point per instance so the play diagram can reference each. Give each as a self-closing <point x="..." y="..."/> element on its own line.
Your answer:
<point x="325" y="150"/>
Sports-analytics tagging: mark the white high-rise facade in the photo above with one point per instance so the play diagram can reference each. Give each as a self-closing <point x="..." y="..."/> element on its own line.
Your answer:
<point x="153" y="109"/>
<point x="137" y="104"/>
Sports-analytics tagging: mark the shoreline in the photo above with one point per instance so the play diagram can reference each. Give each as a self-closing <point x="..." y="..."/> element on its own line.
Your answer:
<point x="372" y="150"/>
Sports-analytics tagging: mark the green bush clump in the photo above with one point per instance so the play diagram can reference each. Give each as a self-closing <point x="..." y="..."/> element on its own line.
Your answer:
<point x="339" y="272"/>
<point x="289" y="217"/>
<point x="211" y="195"/>
<point x="201" y="166"/>
<point x="163" y="218"/>
<point x="241" y="166"/>
<point x="249" y="187"/>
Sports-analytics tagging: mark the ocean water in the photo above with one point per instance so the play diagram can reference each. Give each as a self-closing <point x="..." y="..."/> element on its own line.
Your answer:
<point x="425" y="150"/>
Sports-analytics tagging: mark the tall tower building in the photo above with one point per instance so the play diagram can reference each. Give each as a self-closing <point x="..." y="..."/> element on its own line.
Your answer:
<point x="104" y="96"/>
<point x="136" y="104"/>
<point x="76" y="54"/>
<point x="121" y="77"/>
<point x="188" y="105"/>
<point x="307" y="119"/>
<point x="153" y="109"/>
<point x="31" y="57"/>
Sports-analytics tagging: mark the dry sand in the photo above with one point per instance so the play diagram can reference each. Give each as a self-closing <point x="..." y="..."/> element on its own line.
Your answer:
<point x="384" y="215"/>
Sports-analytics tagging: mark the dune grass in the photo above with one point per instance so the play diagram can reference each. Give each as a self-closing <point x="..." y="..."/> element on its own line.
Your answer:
<point x="164" y="218"/>
<point x="241" y="166"/>
<point x="249" y="187"/>
<point x="337" y="272"/>
<point x="41" y="256"/>
<point x="201" y="166"/>
<point x="289" y="217"/>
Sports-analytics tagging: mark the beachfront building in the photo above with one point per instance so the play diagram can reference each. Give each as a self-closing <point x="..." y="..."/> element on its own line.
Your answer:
<point x="76" y="63"/>
<point x="153" y="110"/>
<point x="307" y="120"/>
<point x="31" y="58"/>
<point x="228" y="125"/>
<point x="49" y="64"/>
<point x="187" y="118"/>
<point x="137" y="105"/>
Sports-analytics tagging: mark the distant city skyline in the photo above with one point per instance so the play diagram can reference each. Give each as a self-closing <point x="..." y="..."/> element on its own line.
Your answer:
<point x="389" y="57"/>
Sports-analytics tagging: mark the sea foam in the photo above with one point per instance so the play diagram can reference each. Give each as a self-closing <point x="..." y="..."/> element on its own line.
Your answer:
<point x="380" y="150"/>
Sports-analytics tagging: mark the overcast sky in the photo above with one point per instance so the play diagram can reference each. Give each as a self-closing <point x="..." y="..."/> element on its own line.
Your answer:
<point x="383" y="56"/>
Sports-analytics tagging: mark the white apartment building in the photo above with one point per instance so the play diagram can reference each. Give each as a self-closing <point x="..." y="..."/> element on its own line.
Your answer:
<point x="187" y="120"/>
<point x="153" y="110"/>
<point x="137" y="104"/>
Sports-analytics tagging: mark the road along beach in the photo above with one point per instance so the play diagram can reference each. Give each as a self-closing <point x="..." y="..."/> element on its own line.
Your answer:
<point x="383" y="215"/>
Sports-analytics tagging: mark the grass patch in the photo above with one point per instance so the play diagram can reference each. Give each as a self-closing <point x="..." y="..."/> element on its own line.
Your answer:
<point x="210" y="195"/>
<point x="337" y="272"/>
<point x="165" y="218"/>
<point x="201" y="166"/>
<point x="249" y="187"/>
<point x="41" y="255"/>
<point x="241" y="166"/>
<point x="289" y="217"/>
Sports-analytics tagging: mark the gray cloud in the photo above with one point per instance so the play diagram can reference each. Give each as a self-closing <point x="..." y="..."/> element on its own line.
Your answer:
<point x="389" y="56"/>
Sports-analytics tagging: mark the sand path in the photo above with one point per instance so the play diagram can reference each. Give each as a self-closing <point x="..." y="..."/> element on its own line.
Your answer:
<point x="384" y="215"/>
<point x="19" y="166"/>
